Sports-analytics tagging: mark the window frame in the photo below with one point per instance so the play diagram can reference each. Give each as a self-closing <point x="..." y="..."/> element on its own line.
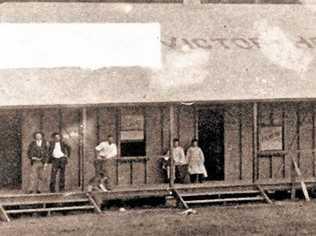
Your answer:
<point x="272" y="109"/>
<point x="132" y="111"/>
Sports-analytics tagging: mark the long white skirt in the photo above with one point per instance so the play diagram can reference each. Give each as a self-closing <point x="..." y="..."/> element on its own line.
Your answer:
<point x="197" y="167"/>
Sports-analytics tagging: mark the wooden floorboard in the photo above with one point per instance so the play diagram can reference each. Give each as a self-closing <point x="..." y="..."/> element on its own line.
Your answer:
<point x="150" y="190"/>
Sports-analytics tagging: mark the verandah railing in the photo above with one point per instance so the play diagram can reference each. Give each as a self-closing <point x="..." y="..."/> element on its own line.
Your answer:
<point x="131" y="162"/>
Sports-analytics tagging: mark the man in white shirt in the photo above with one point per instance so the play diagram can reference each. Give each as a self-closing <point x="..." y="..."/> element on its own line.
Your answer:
<point x="180" y="161"/>
<point x="106" y="152"/>
<point x="106" y="149"/>
<point x="59" y="153"/>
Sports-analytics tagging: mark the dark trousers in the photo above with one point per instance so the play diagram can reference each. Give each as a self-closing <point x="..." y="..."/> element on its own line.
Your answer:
<point x="58" y="165"/>
<point x="182" y="174"/>
<point x="105" y="166"/>
<point x="196" y="178"/>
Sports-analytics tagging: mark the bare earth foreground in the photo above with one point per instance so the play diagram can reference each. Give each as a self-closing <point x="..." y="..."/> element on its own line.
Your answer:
<point x="281" y="218"/>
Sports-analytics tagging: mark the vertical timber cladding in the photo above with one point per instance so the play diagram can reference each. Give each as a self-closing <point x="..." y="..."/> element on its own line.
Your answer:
<point x="91" y="136"/>
<point x="10" y="149"/>
<point x="154" y="140"/>
<point x="271" y="116"/>
<point x="298" y="139"/>
<point x="246" y="120"/>
<point x="31" y="123"/>
<point x="290" y="136"/>
<point x="164" y="127"/>
<point x="185" y="125"/>
<point x="306" y="142"/>
<point x="67" y="121"/>
<point x="238" y="142"/>
<point x="70" y="121"/>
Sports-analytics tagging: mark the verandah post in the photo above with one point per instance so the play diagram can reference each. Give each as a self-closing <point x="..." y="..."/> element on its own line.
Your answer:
<point x="255" y="138"/>
<point x="171" y="136"/>
<point x="82" y="136"/>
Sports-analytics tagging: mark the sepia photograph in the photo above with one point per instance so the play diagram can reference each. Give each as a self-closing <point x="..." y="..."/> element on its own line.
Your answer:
<point x="157" y="117"/>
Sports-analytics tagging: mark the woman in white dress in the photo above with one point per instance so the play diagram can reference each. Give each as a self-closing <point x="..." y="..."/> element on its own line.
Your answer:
<point x="195" y="158"/>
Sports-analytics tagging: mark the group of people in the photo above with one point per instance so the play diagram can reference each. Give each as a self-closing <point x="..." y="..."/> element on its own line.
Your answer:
<point x="57" y="152"/>
<point x="189" y="167"/>
<point x="41" y="153"/>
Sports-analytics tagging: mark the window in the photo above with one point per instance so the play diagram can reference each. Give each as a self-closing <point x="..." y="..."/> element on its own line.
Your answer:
<point x="132" y="132"/>
<point x="271" y="125"/>
<point x="270" y="138"/>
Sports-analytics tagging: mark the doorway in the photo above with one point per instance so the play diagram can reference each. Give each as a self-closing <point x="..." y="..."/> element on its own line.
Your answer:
<point x="211" y="140"/>
<point x="10" y="150"/>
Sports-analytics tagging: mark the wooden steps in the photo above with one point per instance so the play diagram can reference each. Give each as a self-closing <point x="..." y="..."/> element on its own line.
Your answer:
<point x="50" y="209"/>
<point x="215" y="197"/>
<point x="46" y="203"/>
<point x="241" y="199"/>
<point x="221" y="193"/>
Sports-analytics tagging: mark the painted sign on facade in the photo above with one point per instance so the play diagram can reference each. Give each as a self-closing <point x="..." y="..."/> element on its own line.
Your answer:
<point x="132" y="127"/>
<point x="270" y="138"/>
<point x="246" y="43"/>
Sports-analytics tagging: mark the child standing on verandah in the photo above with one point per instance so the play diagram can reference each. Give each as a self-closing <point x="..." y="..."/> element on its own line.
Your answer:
<point x="196" y="160"/>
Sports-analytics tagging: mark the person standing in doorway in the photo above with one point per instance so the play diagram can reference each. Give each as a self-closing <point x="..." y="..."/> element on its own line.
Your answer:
<point x="59" y="153"/>
<point x="196" y="160"/>
<point x="106" y="152"/>
<point x="38" y="154"/>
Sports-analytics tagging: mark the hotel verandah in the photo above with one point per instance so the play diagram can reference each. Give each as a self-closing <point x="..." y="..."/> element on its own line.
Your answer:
<point x="248" y="124"/>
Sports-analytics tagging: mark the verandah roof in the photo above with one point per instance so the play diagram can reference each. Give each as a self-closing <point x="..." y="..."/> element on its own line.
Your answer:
<point x="210" y="53"/>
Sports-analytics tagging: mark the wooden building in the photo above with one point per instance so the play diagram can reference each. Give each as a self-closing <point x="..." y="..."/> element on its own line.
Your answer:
<point x="244" y="85"/>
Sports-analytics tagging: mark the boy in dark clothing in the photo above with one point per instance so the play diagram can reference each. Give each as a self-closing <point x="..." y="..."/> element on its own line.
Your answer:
<point x="38" y="154"/>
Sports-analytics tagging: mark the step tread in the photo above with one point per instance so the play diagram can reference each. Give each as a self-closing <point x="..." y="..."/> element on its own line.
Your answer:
<point x="218" y="193"/>
<point x="225" y="200"/>
<point x="34" y="202"/>
<point x="88" y="207"/>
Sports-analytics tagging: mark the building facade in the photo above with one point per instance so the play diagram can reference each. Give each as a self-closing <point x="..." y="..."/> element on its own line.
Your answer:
<point x="251" y="106"/>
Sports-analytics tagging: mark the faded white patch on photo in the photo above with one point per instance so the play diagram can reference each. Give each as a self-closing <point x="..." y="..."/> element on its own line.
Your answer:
<point x="310" y="4"/>
<point x="279" y="48"/>
<point x="122" y="7"/>
<point x="86" y="45"/>
<point x="182" y="69"/>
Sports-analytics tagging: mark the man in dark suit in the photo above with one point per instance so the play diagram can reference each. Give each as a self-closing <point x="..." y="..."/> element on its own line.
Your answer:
<point x="38" y="154"/>
<point x="59" y="152"/>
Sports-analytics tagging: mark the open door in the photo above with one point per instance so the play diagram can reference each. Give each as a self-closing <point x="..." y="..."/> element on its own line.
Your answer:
<point x="211" y="141"/>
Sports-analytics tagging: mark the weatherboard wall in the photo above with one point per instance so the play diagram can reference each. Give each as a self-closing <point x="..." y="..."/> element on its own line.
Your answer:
<point x="240" y="164"/>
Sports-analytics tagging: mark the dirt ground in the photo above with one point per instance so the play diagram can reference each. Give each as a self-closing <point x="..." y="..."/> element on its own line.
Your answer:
<point x="281" y="218"/>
